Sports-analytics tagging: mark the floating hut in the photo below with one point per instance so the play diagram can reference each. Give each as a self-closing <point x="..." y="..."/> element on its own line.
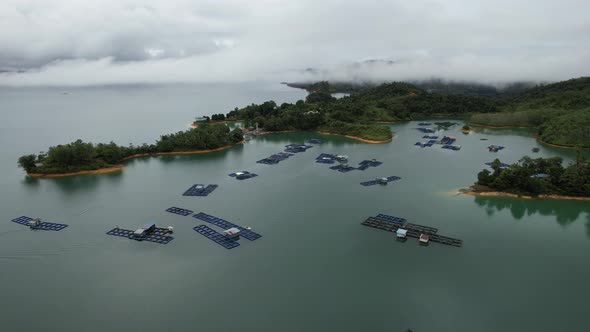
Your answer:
<point x="401" y="233"/>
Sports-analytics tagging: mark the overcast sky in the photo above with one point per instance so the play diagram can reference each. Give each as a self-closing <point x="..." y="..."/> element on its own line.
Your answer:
<point x="68" y="42"/>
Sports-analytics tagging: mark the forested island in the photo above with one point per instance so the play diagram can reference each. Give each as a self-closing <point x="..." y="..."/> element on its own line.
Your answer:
<point x="82" y="157"/>
<point x="540" y="177"/>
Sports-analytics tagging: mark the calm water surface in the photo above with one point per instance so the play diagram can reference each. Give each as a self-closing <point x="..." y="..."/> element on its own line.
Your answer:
<point x="523" y="267"/>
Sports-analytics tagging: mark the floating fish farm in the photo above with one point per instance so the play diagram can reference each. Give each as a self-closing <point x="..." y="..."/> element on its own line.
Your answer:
<point x="380" y="181"/>
<point x="179" y="211"/>
<point x="502" y="165"/>
<point x="37" y="224"/>
<point x="216" y="237"/>
<point x="426" y="144"/>
<point x="426" y="130"/>
<point x="296" y="148"/>
<point x="447" y="140"/>
<point x="495" y="148"/>
<point x="245" y="233"/>
<point x="326" y="158"/>
<point x="342" y="168"/>
<point x="452" y="147"/>
<point x="402" y="228"/>
<point x="275" y="158"/>
<point x="243" y="175"/>
<point x="315" y="141"/>
<point x="200" y="190"/>
<point x="430" y="137"/>
<point x="149" y="233"/>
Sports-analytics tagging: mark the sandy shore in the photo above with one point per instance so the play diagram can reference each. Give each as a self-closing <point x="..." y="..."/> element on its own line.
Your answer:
<point x="370" y="141"/>
<point x="121" y="166"/>
<point x="503" y="194"/>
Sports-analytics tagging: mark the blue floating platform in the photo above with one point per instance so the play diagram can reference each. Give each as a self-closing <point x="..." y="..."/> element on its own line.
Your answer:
<point x="200" y="190"/>
<point x="216" y="237"/>
<point x="224" y="224"/>
<point x="155" y="237"/>
<point x="179" y="211"/>
<point x="43" y="226"/>
<point x="377" y="181"/>
<point x="275" y="158"/>
<point x="430" y="137"/>
<point x="397" y="220"/>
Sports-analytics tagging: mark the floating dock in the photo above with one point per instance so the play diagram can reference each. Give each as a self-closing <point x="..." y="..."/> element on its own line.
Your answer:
<point x="155" y="234"/>
<point x="216" y="237"/>
<point x="200" y="190"/>
<point x="380" y="181"/>
<point x="224" y="224"/>
<point x="296" y="148"/>
<point x="326" y="158"/>
<point x="392" y="224"/>
<point x="38" y="224"/>
<point x="275" y="158"/>
<point x="342" y="168"/>
<point x="179" y="211"/>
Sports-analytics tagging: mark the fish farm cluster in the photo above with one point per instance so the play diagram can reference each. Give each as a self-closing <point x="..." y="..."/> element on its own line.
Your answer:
<point x="446" y="142"/>
<point x="327" y="158"/>
<point x="403" y="229"/>
<point x="37" y="224"/>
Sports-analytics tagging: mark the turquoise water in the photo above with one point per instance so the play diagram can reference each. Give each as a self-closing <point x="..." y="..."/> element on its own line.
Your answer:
<point x="523" y="266"/>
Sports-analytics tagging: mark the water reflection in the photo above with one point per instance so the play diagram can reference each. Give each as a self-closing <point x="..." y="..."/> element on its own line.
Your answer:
<point x="565" y="212"/>
<point x="74" y="184"/>
<point x="301" y="137"/>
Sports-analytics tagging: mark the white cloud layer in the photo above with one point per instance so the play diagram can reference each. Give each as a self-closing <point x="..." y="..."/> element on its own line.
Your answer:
<point x="61" y="42"/>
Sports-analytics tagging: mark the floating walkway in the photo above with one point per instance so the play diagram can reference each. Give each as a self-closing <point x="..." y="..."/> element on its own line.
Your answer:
<point x="179" y="211"/>
<point x="216" y="237"/>
<point x="38" y="224"/>
<point x="200" y="190"/>
<point x="224" y="224"/>
<point x="152" y="234"/>
<point x="392" y="224"/>
<point x="380" y="181"/>
<point x="243" y="175"/>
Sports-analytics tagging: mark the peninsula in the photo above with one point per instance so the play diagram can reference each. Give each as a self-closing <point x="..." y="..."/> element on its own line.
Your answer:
<point x="87" y="158"/>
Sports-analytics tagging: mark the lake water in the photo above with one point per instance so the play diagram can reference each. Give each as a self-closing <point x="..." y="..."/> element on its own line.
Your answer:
<point x="523" y="266"/>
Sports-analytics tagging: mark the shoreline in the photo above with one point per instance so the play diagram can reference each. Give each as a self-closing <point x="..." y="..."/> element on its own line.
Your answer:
<point x="498" y="127"/>
<point x="503" y="194"/>
<point x="370" y="141"/>
<point x="120" y="167"/>
<point x="559" y="146"/>
<point x="195" y="125"/>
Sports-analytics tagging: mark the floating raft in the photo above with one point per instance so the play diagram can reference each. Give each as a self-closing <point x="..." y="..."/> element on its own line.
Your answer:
<point x="216" y="237"/>
<point x="495" y="148"/>
<point x="378" y="181"/>
<point x="426" y="144"/>
<point x="430" y="137"/>
<point x="159" y="235"/>
<point x="370" y="163"/>
<point x="502" y="165"/>
<point x="392" y="224"/>
<point x="447" y="140"/>
<point x="43" y="225"/>
<point x="200" y="190"/>
<point x="179" y="211"/>
<point x="315" y="141"/>
<point x="243" y="175"/>
<point x="224" y="224"/>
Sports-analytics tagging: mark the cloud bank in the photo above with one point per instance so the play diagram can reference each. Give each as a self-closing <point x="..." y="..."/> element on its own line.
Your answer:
<point x="90" y="42"/>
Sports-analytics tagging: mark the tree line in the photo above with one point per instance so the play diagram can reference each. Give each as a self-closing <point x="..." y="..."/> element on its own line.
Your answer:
<point x="81" y="156"/>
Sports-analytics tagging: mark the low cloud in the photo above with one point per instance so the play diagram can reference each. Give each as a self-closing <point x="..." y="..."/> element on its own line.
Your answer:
<point x="129" y="41"/>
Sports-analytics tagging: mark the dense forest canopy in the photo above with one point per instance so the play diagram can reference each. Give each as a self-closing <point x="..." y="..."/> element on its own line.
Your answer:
<point x="538" y="176"/>
<point x="82" y="156"/>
